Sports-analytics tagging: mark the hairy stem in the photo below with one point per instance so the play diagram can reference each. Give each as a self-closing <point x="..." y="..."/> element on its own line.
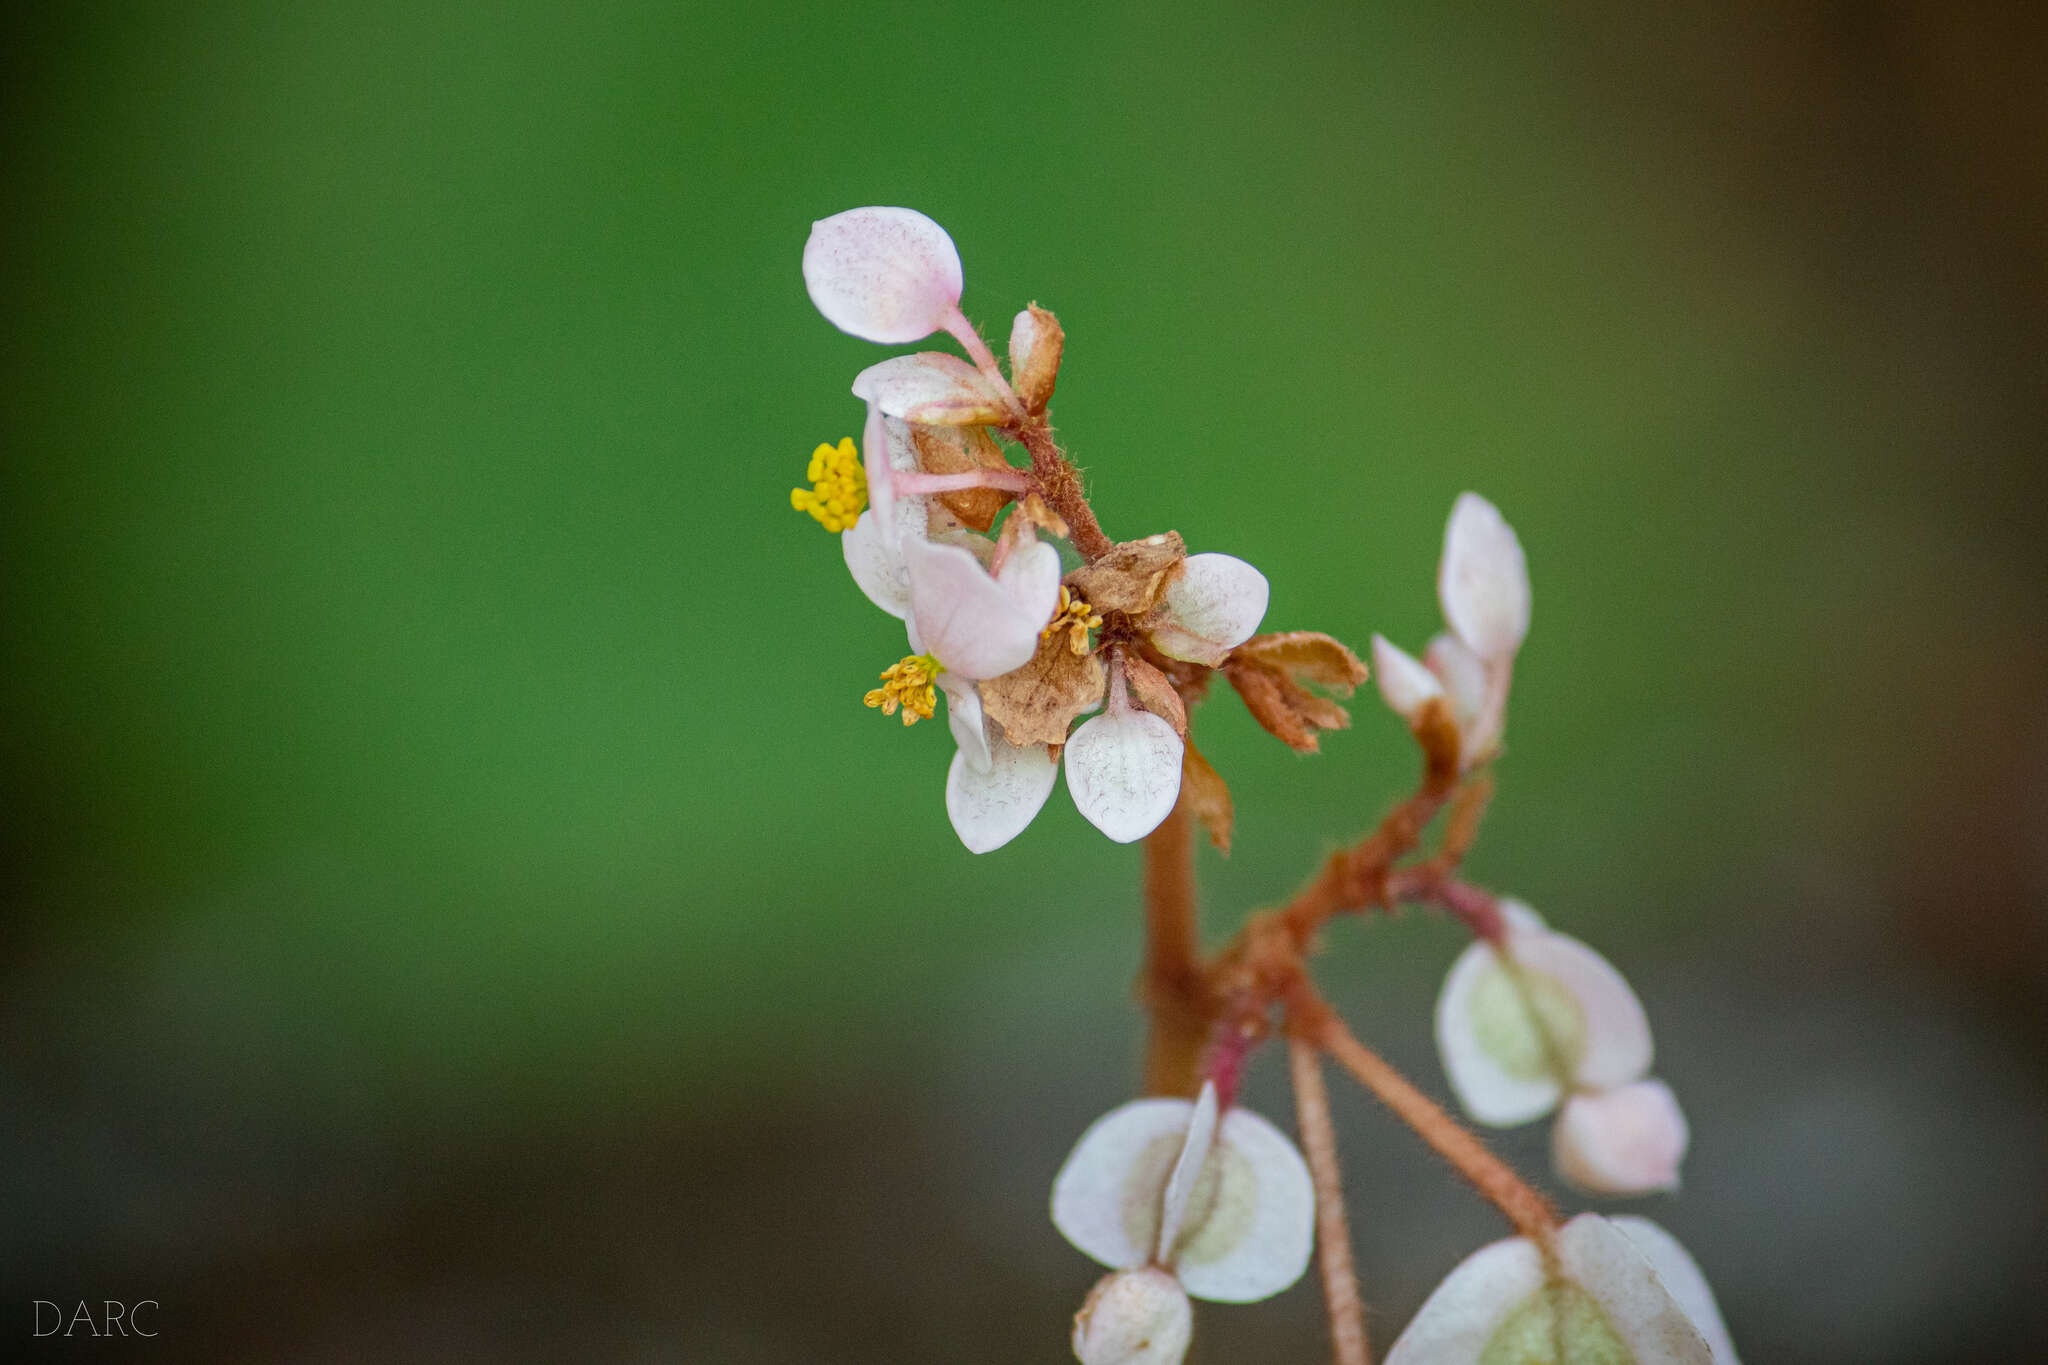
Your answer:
<point x="1172" y="984"/>
<point x="1528" y="1210"/>
<point x="1333" y="1233"/>
<point x="1060" y="485"/>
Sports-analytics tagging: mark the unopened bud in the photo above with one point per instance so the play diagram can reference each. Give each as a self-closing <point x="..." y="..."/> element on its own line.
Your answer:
<point x="1134" y="1317"/>
<point x="1036" y="342"/>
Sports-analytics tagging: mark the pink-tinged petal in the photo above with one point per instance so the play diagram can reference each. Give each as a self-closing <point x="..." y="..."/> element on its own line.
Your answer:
<point x="883" y="274"/>
<point x="1493" y="1051"/>
<point x="974" y="625"/>
<point x="1621" y="1142"/>
<point x="1106" y="1198"/>
<point x="1214" y="606"/>
<point x="1253" y="1236"/>
<point x="1405" y="685"/>
<point x="1187" y="1168"/>
<point x="1031" y="576"/>
<point x="931" y="388"/>
<point x="1124" y="772"/>
<point x="1456" y="1322"/>
<point x="1483" y="579"/>
<point x="1614" y="1044"/>
<point x="990" y="808"/>
<point x="1681" y="1275"/>
<point x="1134" y="1317"/>
<point x="964" y="718"/>
<point x="876" y="463"/>
<point x="1639" y="1308"/>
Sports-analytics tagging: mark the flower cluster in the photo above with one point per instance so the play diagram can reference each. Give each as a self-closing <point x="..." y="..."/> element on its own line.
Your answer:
<point x="1057" y="648"/>
<point x="1021" y="646"/>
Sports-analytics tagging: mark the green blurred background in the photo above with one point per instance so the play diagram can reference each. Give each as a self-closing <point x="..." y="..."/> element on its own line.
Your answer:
<point x="457" y="908"/>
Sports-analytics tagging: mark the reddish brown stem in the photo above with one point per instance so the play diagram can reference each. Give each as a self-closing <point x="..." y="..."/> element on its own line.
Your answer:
<point x="1059" y="483"/>
<point x="1528" y="1210"/>
<point x="1333" y="1233"/>
<point x="1477" y="909"/>
<point x="1172" y="984"/>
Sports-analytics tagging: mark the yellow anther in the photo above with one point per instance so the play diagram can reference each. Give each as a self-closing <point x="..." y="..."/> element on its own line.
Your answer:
<point x="1075" y="617"/>
<point x="910" y="684"/>
<point x="839" y="487"/>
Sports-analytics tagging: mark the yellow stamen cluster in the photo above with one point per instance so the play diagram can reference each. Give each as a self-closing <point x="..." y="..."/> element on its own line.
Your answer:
<point x="910" y="684"/>
<point x="1075" y="617"/>
<point x="839" y="487"/>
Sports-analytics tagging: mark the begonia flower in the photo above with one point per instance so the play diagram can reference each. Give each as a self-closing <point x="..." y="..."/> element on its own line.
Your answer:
<point x="1603" y="1299"/>
<point x="1542" y="1020"/>
<point x="883" y="274"/>
<point x="1224" y="1204"/>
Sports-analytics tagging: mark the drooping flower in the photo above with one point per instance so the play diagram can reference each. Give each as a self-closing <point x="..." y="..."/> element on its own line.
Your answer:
<point x="1222" y="1204"/>
<point x="1542" y="1020"/>
<point x="1621" y="1291"/>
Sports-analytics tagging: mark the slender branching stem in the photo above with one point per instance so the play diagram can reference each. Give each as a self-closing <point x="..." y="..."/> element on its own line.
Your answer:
<point x="1333" y="1234"/>
<point x="1531" y="1213"/>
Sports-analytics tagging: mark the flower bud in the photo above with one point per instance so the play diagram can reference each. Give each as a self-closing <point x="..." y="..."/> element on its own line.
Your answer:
<point x="1629" y="1140"/>
<point x="1134" y="1317"/>
<point x="1483" y="579"/>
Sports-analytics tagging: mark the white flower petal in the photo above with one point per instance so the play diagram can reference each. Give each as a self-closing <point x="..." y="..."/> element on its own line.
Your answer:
<point x="1515" y="1037"/>
<point x="1497" y="1309"/>
<point x="884" y="274"/>
<point x="877" y="568"/>
<point x="990" y="807"/>
<point x="1031" y="576"/>
<point x="1106" y="1198"/>
<point x="1615" y="1047"/>
<point x="931" y="388"/>
<point x="964" y="718"/>
<point x="1624" y="1141"/>
<point x="1493" y="1056"/>
<point x="1639" y="1307"/>
<point x="1253" y="1237"/>
<point x="1124" y="772"/>
<point x="975" y="626"/>
<point x="1212" y="607"/>
<point x="1134" y="1317"/>
<point x="1681" y="1275"/>
<point x="1483" y="579"/>
<point x="1463" y="675"/>
<point x="1405" y="685"/>
<point x="1180" y="1185"/>
<point x="1455" y="1323"/>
